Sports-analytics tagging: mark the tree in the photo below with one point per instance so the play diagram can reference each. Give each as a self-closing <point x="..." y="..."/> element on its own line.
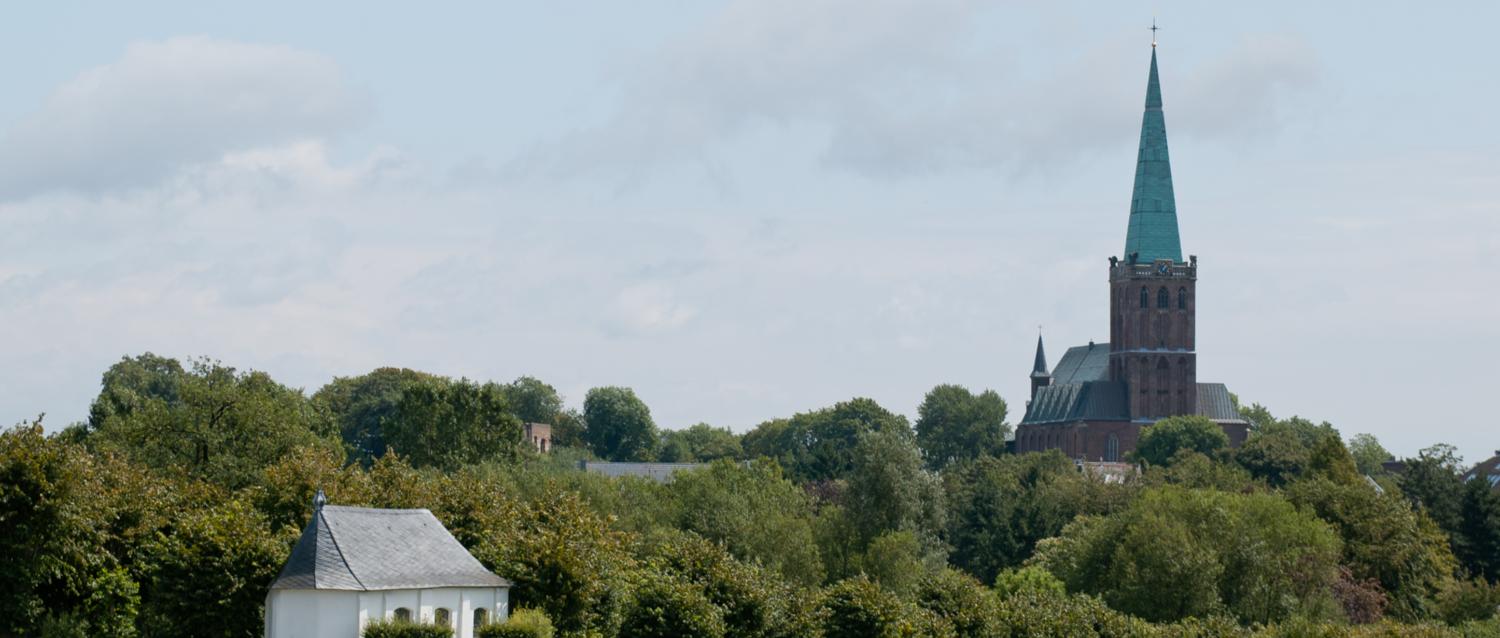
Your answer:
<point x="1479" y="528"/>
<point x="1384" y="540"/>
<point x="533" y="401"/>
<point x="954" y="423"/>
<point x="963" y="602"/>
<point x="209" y="573"/>
<point x="890" y="491"/>
<point x="133" y="383"/>
<point x="999" y="508"/>
<point x="1163" y="558"/>
<point x="451" y="424"/>
<point x="819" y="445"/>
<point x="360" y="405"/>
<point x="214" y="423"/>
<point x="618" y="425"/>
<point x="755" y="513"/>
<point x="1274" y="453"/>
<point x="1329" y="459"/>
<point x="859" y="608"/>
<point x="1162" y="440"/>
<point x="755" y="602"/>
<point x="1369" y="455"/>
<point x="665" y="606"/>
<point x="1434" y="481"/>
<point x="699" y="443"/>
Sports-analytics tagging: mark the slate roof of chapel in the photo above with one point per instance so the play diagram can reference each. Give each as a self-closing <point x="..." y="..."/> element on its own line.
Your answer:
<point x="367" y="549"/>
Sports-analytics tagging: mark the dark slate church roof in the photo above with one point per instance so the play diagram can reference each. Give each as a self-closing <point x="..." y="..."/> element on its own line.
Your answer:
<point x="364" y="549"/>
<point x="1081" y="391"/>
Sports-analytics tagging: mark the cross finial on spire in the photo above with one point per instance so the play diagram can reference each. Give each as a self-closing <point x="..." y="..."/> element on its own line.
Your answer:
<point x="1154" y="29"/>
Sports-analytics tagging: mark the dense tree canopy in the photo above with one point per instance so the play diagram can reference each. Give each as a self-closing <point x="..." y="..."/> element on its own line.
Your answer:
<point x="1162" y="440"/>
<point x="955" y="424"/>
<point x="209" y="421"/>
<point x="171" y="511"/>
<point x="618" y="425"/>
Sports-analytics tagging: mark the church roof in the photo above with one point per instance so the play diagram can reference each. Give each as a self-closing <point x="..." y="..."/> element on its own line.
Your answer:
<point x="1087" y="401"/>
<point x="1152" y="233"/>
<point x="366" y="549"/>
<point x="1082" y="363"/>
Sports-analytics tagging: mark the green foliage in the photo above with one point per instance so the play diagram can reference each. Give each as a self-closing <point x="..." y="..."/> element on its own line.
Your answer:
<point x="954" y="423"/>
<point x="665" y="606"/>
<point x="523" y="623"/>
<point x="533" y="401"/>
<point x="889" y="490"/>
<point x="56" y="510"/>
<point x="208" y="574"/>
<point x="563" y="559"/>
<point x="1192" y="469"/>
<point x="1369" y="454"/>
<point x="859" y="608"/>
<point x="754" y="602"/>
<point x="1469" y="600"/>
<point x="700" y="443"/>
<point x="898" y="560"/>
<point x="618" y="425"/>
<point x="210" y="422"/>
<point x="1161" y="441"/>
<point x="963" y="603"/>
<point x="1384" y="540"/>
<point x="404" y="629"/>
<point x="1477" y="538"/>
<point x="999" y="508"/>
<point x="448" y="425"/>
<point x="1049" y="615"/>
<point x="1163" y="558"/>
<point x="819" y="445"/>
<point x="754" y="512"/>
<point x="1329" y="459"/>
<point x="1031" y="579"/>
<point x="360" y="405"/>
<point x="1274" y="453"/>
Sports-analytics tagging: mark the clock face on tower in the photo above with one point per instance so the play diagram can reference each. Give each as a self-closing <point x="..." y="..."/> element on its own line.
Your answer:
<point x="1163" y="268"/>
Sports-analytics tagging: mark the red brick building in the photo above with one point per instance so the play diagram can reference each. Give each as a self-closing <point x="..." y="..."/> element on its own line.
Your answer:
<point x="1094" y="404"/>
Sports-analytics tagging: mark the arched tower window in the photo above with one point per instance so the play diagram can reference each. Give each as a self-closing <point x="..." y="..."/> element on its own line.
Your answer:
<point x="403" y="614"/>
<point x="1163" y="298"/>
<point x="1182" y="298"/>
<point x="1145" y="298"/>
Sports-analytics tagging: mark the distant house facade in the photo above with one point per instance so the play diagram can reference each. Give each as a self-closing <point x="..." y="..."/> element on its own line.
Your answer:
<point x="540" y="436"/>
<point x="356" y="565"/>
<point x="1095" y="403"/>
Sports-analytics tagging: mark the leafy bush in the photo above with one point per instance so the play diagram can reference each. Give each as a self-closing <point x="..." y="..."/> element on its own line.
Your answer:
<point x="523" y="623"/>
<point x="405" y="629"/>
<point x="859" y="608"/>
<point x="666" y="607"/>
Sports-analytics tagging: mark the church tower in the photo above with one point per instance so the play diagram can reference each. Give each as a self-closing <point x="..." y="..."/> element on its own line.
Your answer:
<point x="1152" y="290"/>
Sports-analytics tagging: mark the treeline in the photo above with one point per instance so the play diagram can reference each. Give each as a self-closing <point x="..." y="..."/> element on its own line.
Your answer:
<point x="171" y="509"/>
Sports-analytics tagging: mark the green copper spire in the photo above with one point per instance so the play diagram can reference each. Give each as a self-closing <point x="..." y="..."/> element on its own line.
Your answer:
<point x="1152" y="233"/>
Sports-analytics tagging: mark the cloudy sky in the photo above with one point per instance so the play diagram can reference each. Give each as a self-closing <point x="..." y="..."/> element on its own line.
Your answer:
<point x="753" y="208"/>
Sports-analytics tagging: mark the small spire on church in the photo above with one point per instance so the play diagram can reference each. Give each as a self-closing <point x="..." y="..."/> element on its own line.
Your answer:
<point x="1039" y="367"/>
<point x="319" y="500"/>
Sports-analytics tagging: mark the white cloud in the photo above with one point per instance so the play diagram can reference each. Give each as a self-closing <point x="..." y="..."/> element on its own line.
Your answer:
<point x="171" y="103"/>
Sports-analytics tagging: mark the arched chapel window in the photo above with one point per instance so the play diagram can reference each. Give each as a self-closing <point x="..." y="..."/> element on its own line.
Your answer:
<point x="1182" y="298"/>
<point x="1112" y="449"/>
<point x="442" y="617"/>
<point x="1145" y="298"/>
<point x="481" y="617"/>
<point x="403" y="614"/>
<point x="1163" y="298"/>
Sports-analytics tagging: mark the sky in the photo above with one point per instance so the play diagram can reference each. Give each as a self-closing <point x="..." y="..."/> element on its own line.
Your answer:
<point x="749" y="209"/>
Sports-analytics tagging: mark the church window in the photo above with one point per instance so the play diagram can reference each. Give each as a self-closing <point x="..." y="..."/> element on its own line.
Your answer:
<point x="1163" y="298"/>
<point x="403" y="614"/>
<point x="1182" y="298"/>
<point x="1112" y="449"/>
<point x="481" y="617"/>
<point x="442" y="617"/>
<point x="1145" y="298"/>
